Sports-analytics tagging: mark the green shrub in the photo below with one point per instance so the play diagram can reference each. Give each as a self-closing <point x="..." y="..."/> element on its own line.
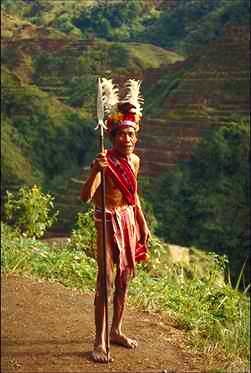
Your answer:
<point x="84" y="235"/>
<point x="30" y="211"/>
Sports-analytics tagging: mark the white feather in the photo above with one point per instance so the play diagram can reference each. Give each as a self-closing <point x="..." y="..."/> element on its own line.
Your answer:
<point x="133" y="95"/>
<point x="110" y="95"/>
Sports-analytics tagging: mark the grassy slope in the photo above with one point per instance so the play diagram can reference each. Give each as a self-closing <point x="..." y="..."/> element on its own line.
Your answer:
<point x="150" y="56"/>
<point x="15" y="167"/>
<point x="30" y="113"/>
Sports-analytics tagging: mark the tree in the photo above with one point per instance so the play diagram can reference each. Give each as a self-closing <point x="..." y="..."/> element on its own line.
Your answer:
<point x="206" y="202"/>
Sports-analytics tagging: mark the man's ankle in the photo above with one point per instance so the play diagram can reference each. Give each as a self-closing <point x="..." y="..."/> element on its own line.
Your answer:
<point x="115" y="331"/>
<point x="99" y="343"/>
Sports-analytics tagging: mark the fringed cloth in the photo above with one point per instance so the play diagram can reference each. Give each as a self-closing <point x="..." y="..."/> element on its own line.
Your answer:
<point x="123" y="241"/>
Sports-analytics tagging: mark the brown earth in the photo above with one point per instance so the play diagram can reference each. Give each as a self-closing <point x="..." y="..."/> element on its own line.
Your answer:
<point x="49" y="328"/>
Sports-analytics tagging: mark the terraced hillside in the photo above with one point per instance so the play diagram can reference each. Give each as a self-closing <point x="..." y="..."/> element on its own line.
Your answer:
<point x="48" y="102"/>
<point x="183" y="99"/>
<point x="187" y="99"/>
<point x="52" y="60"/>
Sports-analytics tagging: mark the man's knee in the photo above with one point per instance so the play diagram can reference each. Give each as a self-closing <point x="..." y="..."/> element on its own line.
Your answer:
<point x="122" y="282"/>
<point x="121" y="288"/>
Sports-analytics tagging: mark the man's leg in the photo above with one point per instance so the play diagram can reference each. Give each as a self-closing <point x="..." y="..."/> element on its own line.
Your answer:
<point x="119" y="303"/>
<point x="99" y="350"/>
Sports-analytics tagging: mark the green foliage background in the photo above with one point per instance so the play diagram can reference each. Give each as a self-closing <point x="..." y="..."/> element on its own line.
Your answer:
<point x="49" y="137"/>
<point x="206" y="202"/>
<point x="185" y="26"/>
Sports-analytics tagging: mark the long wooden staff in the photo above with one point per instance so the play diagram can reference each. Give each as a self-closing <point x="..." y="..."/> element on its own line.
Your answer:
<point x="101" y="125"/>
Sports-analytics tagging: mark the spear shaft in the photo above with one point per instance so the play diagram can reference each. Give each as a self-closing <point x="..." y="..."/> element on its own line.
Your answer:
<point x="100" y="115"/>
<point x="103" y="191"/>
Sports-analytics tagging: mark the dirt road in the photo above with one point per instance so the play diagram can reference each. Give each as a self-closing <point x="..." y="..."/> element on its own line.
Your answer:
<point x="48" y="328"/>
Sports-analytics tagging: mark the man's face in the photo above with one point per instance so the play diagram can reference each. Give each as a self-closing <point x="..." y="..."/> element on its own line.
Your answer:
<point x="125" y="140"/>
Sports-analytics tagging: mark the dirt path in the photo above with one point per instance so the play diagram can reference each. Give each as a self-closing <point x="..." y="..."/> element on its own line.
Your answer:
<point x="49" y="328"/>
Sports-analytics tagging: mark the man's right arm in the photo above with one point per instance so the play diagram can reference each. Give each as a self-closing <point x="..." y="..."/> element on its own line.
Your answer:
<point x="90" y="186"/>
<point x="94" y="179"/>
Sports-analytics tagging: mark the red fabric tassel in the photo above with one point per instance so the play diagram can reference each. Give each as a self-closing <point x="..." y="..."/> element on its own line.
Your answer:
<point x="141" y="253"/>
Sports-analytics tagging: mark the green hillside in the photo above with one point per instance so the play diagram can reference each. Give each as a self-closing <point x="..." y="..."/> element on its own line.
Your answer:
<point x="48" y="102"/>
<point x="49" y="135"/>
<point x="189" y="25"/>
<point x="60" y="74"/>
<point x="177" y="24"/>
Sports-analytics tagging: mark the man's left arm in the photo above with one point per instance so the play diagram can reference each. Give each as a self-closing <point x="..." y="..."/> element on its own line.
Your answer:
<point x="143" y="227"/>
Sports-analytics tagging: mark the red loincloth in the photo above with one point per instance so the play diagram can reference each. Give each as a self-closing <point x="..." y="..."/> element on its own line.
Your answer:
<point x="124" y="237"/>
<point x="121" y="172"/>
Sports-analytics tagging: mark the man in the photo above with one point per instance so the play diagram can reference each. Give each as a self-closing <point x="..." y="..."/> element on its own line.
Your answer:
<point x="127" y="230"/>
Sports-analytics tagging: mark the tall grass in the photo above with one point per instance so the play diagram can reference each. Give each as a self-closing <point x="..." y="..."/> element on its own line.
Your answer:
<point x="216" y="314"/>
<point x="70" y="267"/>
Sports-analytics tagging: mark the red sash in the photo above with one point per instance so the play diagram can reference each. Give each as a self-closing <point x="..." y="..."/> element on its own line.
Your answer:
<point x="121" y="172"/>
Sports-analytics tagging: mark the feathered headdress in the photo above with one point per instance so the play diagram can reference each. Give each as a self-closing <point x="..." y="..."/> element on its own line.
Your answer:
<point x="110" y="95"/>
<point x="133" y="96"/>
<point x="126" y="112"/>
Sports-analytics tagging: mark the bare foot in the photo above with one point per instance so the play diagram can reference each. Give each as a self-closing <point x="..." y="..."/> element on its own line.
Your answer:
<point x="122" y="340"/>
<point x="99" y="355"/>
